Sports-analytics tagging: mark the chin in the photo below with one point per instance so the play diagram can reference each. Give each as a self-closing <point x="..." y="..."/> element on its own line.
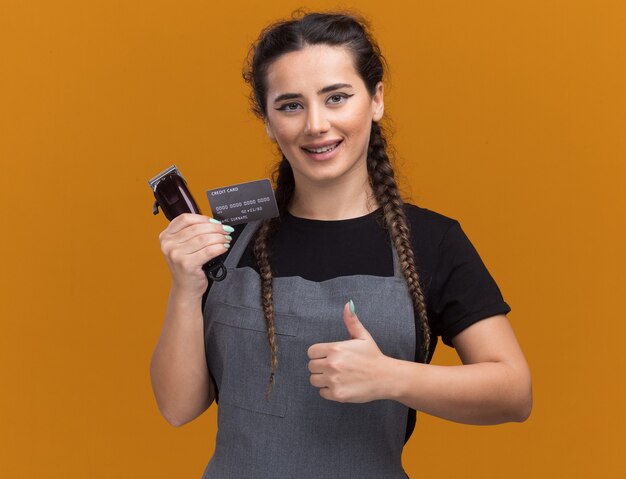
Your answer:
<point x="325" y="175"/>
<point x="326" y="172"/>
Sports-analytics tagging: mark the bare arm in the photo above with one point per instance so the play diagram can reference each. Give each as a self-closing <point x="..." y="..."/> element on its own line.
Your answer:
<point x="178" y="370"/>
<point x="180" y="379"/>
<point x="492" y="386"/>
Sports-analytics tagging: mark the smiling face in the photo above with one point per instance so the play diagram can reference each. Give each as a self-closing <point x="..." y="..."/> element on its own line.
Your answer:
<point x="319" y="111"/>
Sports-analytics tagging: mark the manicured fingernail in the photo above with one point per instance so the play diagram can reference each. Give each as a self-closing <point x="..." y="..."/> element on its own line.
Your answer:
<point x="228" y="229"/>
<point x="213" y="220"/>
<point x="351" y="308"/>
<point x="226" y="245"/>
<point x="228" y="237"/>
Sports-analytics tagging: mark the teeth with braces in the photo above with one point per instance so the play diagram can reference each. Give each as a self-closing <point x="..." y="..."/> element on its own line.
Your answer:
<point x="324" y="149"/>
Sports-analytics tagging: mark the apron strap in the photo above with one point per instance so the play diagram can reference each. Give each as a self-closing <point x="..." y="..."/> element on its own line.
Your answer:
<point x="233" y="257"/>
<point x="397" y="268"/>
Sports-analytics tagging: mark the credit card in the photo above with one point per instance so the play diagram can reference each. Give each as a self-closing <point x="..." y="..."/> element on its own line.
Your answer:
<point x="244" y="202"/>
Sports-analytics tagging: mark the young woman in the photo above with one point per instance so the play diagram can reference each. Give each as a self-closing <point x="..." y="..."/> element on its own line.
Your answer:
<point x="317" y="343"/>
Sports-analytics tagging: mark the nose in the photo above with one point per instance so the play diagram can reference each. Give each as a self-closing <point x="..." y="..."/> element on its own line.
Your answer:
<point x="316" y="121"/>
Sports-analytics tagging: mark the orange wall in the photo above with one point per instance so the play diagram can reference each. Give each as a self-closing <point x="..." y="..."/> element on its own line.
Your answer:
<point x="509" y="116"/>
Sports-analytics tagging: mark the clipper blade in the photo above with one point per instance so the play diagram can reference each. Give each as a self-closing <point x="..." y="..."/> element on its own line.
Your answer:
<point x="172" y="170"/>
<point x="171" y="194"/>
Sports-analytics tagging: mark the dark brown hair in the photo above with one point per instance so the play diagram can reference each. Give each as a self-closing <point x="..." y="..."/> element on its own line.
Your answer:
<point x="349" y="31"/>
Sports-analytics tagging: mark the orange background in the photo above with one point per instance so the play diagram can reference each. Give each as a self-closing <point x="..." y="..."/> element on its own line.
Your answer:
<point x="509" y="116"/>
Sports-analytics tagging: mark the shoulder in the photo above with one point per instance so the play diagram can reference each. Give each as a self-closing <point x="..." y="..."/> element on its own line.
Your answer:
<point x="428" y="226"/>
<point x="438" y="237"/>
<point x="427" y="218"/>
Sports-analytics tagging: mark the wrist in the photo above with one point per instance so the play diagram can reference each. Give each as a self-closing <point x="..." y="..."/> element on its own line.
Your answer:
<point x="390" y="378"/>
<point x="185" y="297"/>
<point x="395" y="378"/>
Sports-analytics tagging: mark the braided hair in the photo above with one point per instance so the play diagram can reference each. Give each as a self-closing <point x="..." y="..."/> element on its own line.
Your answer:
<point x="351" y="32"/>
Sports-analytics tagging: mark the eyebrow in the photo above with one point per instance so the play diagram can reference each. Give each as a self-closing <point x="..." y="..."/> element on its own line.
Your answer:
<point x="326" y="89"/>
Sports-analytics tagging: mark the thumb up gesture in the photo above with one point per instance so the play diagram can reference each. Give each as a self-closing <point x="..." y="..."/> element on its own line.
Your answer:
<point x="352" y="370"/>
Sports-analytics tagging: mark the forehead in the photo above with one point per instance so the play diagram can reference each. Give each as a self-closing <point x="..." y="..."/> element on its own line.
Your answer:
<point x="311" y="69"/>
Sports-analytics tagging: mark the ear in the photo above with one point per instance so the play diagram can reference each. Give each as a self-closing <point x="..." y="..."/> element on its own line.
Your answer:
<point x="378" y="103"/>
<point x="269" y="131"/>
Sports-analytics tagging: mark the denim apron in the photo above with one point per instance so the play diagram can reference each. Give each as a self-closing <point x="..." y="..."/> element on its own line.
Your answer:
<point x="295" y="433"/>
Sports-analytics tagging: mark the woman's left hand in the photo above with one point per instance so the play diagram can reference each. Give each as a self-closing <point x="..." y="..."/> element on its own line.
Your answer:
<point x="351" y="370"/>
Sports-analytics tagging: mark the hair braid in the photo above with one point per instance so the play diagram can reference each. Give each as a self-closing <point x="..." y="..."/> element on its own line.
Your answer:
<point x="386" y="193"/>
<point x="342" y="30"/>
<point x="283" y="177"/>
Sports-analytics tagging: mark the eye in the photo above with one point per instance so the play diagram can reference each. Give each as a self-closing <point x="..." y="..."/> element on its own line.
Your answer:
<point x="338" y="98"/>
<point x="289" y="107"/>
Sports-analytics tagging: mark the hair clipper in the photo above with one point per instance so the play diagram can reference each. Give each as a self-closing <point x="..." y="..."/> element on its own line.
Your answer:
<point x="173" y="197"/>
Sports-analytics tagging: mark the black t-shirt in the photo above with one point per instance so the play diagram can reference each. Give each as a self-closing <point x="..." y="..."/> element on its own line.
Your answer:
<point x="457" y="286"/>
<point x="459" y="290"/>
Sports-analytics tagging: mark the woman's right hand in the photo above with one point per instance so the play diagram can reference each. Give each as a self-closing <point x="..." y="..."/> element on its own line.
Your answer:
<point x="190" y="241"/>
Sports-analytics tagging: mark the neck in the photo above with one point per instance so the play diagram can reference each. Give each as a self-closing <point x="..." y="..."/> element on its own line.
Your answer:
<point x="340" y="200"/>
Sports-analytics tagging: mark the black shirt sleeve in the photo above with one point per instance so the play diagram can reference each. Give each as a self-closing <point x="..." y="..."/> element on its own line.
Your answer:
<point x="463" y="291"/>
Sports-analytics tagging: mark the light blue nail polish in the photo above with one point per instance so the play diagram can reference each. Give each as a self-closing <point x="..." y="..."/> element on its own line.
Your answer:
<point x="213" y="220"/>
<point x="228" y="237"/>
<point x="226" y="245"/>
<point x="351" y="308"/>
<point x="228" y="229"/>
